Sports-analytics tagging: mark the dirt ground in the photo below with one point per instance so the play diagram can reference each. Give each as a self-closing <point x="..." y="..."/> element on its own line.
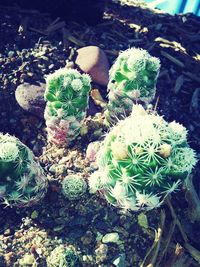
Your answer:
<point x="38" y="230"/>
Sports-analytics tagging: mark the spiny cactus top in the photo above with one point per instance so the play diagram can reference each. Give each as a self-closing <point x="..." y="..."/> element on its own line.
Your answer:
<point x="22" y="182"/>
<point x="142" y="160"/>
<point x="133" y="77"/>
<point x="73" y="187"/>
<point x="67" y="94"/>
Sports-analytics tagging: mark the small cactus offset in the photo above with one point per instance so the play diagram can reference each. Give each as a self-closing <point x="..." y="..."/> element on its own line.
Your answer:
<point x="133" y="78"/>
<point x="22" y="182"/>
<point x="63" y="256"/>
<point x="67" y="95"/>
<point x="73" y="187"/>
<point x="142" y="160"/>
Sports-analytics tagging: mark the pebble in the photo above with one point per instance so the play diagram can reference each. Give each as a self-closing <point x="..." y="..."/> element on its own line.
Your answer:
<point x="120" y="261"/>
<point x="28" y="259"/>
<point x="101" y="253"/>
<point x="93" y="60"/>
<point x="111" y="238"/>
<point x="92" y="149"/>
<point x="34" y="214"/>
<point x="87" y="238"/>
<point x="30" y="97"/>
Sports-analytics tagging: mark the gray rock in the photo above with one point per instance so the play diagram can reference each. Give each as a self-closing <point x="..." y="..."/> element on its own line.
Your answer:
<point x="93" y="60"/>
<point x="111" y="238"/>
<point x="120" y="261"/>
<point x="31" y="98"/>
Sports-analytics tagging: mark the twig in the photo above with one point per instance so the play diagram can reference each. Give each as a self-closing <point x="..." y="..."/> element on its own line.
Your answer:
<point x="192" y="76"/>
<point x="193" y="252"/>
<point x="184" y="236"/>
<point x="166" y="243"/>
<point x="153" y="251"/>
<point x="172" y="59"/>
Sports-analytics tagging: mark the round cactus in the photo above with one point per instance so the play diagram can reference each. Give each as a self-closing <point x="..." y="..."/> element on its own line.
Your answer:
<point x="67" y="95"/>
<point x="22" y="181"/>
<point x="133" y="78"/>
<point x="63" y="256"/>
<point x="142" y="160"/>
<point x="73" y="187"/>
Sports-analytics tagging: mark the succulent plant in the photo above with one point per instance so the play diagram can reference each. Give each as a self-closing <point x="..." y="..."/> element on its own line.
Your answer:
<point x="73" y="187"/>
<point x="67" y="94"/>
<point x="142" y="160"/>
<point x="63" y="256"/>
<point x="22" y="182"/>
<point x="132" y="78"/>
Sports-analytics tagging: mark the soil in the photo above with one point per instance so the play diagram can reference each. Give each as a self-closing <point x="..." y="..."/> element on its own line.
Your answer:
<point x="33" y="44"/>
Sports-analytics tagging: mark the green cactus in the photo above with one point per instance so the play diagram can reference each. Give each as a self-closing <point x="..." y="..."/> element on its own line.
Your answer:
<point x="63" y="256"/>
<point x="142" y="160"/>
<point x="67" y="95"/>
<point x="22" y="181"/>
<point x="133" y="78"/>
<point x="73" y="187"/>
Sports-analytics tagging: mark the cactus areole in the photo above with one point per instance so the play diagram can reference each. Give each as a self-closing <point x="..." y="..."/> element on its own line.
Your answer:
<point x="142" y="160"/>
<point x="67" y="94"/>
<point x="22" y="182"/>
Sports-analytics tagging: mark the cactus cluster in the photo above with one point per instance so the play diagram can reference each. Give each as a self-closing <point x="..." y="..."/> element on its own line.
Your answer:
<point x="67" y="93"/>
<point x="142" y="159"/>
<point x="22" y="182"/>
<point x="63" y="256"/>
<point x="73" y="187"/>
<point x="132" y="78"/>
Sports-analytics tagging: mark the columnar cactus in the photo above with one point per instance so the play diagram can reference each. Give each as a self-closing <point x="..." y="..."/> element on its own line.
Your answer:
<point x="67" y="94"/>
<point x="142" y="160"/>
<point x="22" y="182"/>
<point x="133" y="78"/>
<point x="73" y="187"/>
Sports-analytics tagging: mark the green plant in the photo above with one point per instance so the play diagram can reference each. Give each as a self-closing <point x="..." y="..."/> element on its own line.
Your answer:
<point x="73" y="186"/>
<point x="142" y="160"/>
<point x="63" y="256"/>
<point x="67" y="95"/>
<point x="132" y="78"/>
<point x="22" y="182"/>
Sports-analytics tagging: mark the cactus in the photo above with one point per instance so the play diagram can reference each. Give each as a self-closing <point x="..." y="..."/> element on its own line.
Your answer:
<point x="142" y="160"/>
<point x="67" y="96"/>
<point x="73" y="187"/>
<point x="133" y="78"/>
<point x="22" y="181"/>
<point x="63" y="256"/>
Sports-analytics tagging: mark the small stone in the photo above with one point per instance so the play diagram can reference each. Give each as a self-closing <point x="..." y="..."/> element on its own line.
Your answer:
<point x="87" y="238"/>
<point x="111" y="238"/>
<point x="93" y="60"/>
<point x="34" y="214"/>
<point x="31" y="98"/>
<point x="101" y="253"/>
<point x="120" y="261"/>
<point x="142" y="221"/>
<point x="27" y="260"/>
<point x="92" y="149"/>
